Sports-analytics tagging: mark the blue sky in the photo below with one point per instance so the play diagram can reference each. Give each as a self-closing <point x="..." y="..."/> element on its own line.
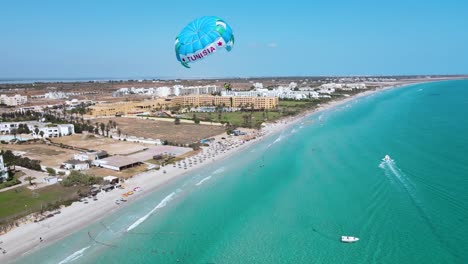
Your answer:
<point x="129" y="39"/>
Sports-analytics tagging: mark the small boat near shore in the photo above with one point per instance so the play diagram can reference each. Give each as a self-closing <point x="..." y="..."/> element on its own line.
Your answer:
<point x="349" y="239"/>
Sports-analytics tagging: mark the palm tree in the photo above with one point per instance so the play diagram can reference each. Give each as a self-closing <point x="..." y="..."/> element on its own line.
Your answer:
<point x="119" y="132"/>
<point x="36" y="131"/>
<point x="30" y="179"/>
<point x="82" y="111"/>
<point x="14" y="131"/>
<point x="103" y="127"/>
<point x="246" y="119"/>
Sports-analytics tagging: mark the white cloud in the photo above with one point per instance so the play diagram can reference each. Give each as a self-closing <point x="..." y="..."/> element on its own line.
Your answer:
<point x="272" y="45"/>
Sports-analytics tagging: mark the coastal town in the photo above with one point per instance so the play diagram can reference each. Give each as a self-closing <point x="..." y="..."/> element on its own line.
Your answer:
<point x="81" y="150"/>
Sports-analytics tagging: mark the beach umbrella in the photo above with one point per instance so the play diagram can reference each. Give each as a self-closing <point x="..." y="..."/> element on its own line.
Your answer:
<point x="202" y="38"/>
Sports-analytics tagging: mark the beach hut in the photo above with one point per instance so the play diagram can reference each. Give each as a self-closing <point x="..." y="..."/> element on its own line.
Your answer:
<point x="111" y="179"/>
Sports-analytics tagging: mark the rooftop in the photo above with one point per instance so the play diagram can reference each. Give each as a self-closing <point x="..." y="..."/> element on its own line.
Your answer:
<point x="119" y="161"/>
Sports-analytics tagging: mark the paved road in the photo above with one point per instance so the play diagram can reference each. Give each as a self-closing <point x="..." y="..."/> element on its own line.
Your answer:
<point x="39" y="175"/>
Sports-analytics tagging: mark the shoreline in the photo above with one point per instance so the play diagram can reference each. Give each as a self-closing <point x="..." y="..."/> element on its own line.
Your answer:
<point x="26" y="238"/>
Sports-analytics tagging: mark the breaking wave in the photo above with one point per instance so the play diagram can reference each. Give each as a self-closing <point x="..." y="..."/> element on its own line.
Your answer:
<point x="220" y="170"/>
<point x="161" y="204"/>
<point x="203" y="180"/>
<point x="276" y="141"/>
<point x="76" y="255"/>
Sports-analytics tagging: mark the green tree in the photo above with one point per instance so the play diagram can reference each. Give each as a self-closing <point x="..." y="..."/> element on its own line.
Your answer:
<point x="195" y="119"/>
<point x="51" y="171"/>
<point x="30" y="179"/>
<point x="14" y="131"/>
<point x="103" y="128"/>
<point x="177" y="121"/>
<point x="107" y="130"/>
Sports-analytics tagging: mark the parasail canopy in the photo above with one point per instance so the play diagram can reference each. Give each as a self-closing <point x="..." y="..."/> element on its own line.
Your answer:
<point x="201" y="38"/>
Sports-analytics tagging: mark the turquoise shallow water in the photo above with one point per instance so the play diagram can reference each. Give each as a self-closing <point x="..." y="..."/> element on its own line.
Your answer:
<point x="289" y="198"/>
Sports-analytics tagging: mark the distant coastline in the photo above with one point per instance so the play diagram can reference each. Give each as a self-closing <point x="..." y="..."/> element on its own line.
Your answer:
<point x="166" y="78"/>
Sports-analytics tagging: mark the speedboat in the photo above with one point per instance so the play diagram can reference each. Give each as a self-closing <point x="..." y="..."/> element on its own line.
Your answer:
<point x="386" y="158"/>
<point x="349" y="239"/>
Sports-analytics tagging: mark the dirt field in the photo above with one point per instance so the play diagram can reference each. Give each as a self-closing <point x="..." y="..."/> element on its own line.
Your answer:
<point x="183" y="133"/>
<point x="112" y="146"/>
<point x="48" y="155"/>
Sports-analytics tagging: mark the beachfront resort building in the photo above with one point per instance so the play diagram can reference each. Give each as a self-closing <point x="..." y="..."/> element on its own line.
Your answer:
<point x="165" y="91"/>
<point x="292" y="91"/>
<point x="13" y="100"/>
<point x="280" y="92"/>
<point x="254" y="102"/>
<point x="48" y="129"/>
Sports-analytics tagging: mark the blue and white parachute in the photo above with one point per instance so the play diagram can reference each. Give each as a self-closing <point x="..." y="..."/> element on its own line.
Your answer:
<point x="201" y="38"/>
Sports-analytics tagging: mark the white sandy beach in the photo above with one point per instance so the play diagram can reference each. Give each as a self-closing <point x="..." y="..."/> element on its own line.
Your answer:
<point x="26" y="237"/>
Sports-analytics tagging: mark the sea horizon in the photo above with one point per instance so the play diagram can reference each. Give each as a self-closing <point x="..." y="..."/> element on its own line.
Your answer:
<point x="32" y="80"/>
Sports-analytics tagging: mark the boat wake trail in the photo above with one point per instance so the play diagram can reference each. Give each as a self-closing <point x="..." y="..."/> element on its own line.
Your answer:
<point x="397" y="176"/>
<point x="161" y="204"/>
<point x="203" y="180"/>
<point x="76" y="255"/>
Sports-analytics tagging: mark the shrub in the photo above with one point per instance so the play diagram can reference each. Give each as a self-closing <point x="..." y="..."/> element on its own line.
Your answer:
<point x="51" y="171"/>
<point x="78" y="178"/>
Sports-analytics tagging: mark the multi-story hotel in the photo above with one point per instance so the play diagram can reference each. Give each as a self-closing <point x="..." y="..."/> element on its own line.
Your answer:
<point x="13" y="100"/>
<point x="227" y="101"/>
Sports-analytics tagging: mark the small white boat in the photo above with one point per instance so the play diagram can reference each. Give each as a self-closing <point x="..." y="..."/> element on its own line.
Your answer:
<point x="349" y="239"/>
<point x="386" y="158"/>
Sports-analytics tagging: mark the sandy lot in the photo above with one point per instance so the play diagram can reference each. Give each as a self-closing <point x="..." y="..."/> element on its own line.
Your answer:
<point x="112" y="146"/>
<point x="48" y="155"/>
<point x="183" y="133"/>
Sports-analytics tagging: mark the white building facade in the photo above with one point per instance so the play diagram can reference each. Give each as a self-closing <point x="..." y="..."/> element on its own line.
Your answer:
<point x="48" y="129"/>
<point x="13" y="100"/>
<point x="3" y="169"/>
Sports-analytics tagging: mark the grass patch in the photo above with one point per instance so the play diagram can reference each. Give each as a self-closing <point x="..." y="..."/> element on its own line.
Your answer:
<point x="21" y="201"/>
<point x="237" y="118"/>
<point x="13" y="181"/>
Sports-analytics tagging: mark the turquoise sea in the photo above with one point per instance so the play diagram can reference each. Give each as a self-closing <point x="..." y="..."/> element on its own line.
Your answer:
<point x="289" y="198"/>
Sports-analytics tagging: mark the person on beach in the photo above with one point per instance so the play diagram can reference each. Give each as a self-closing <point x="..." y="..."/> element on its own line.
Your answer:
<point x="40" y="239"/>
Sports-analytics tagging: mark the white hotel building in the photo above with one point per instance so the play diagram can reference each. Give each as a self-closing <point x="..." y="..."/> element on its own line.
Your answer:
<point x="280" y="92"/>
<point x="48" y="129"/>
<point x="13" y="100"/>
<point x="165" y="91"/>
